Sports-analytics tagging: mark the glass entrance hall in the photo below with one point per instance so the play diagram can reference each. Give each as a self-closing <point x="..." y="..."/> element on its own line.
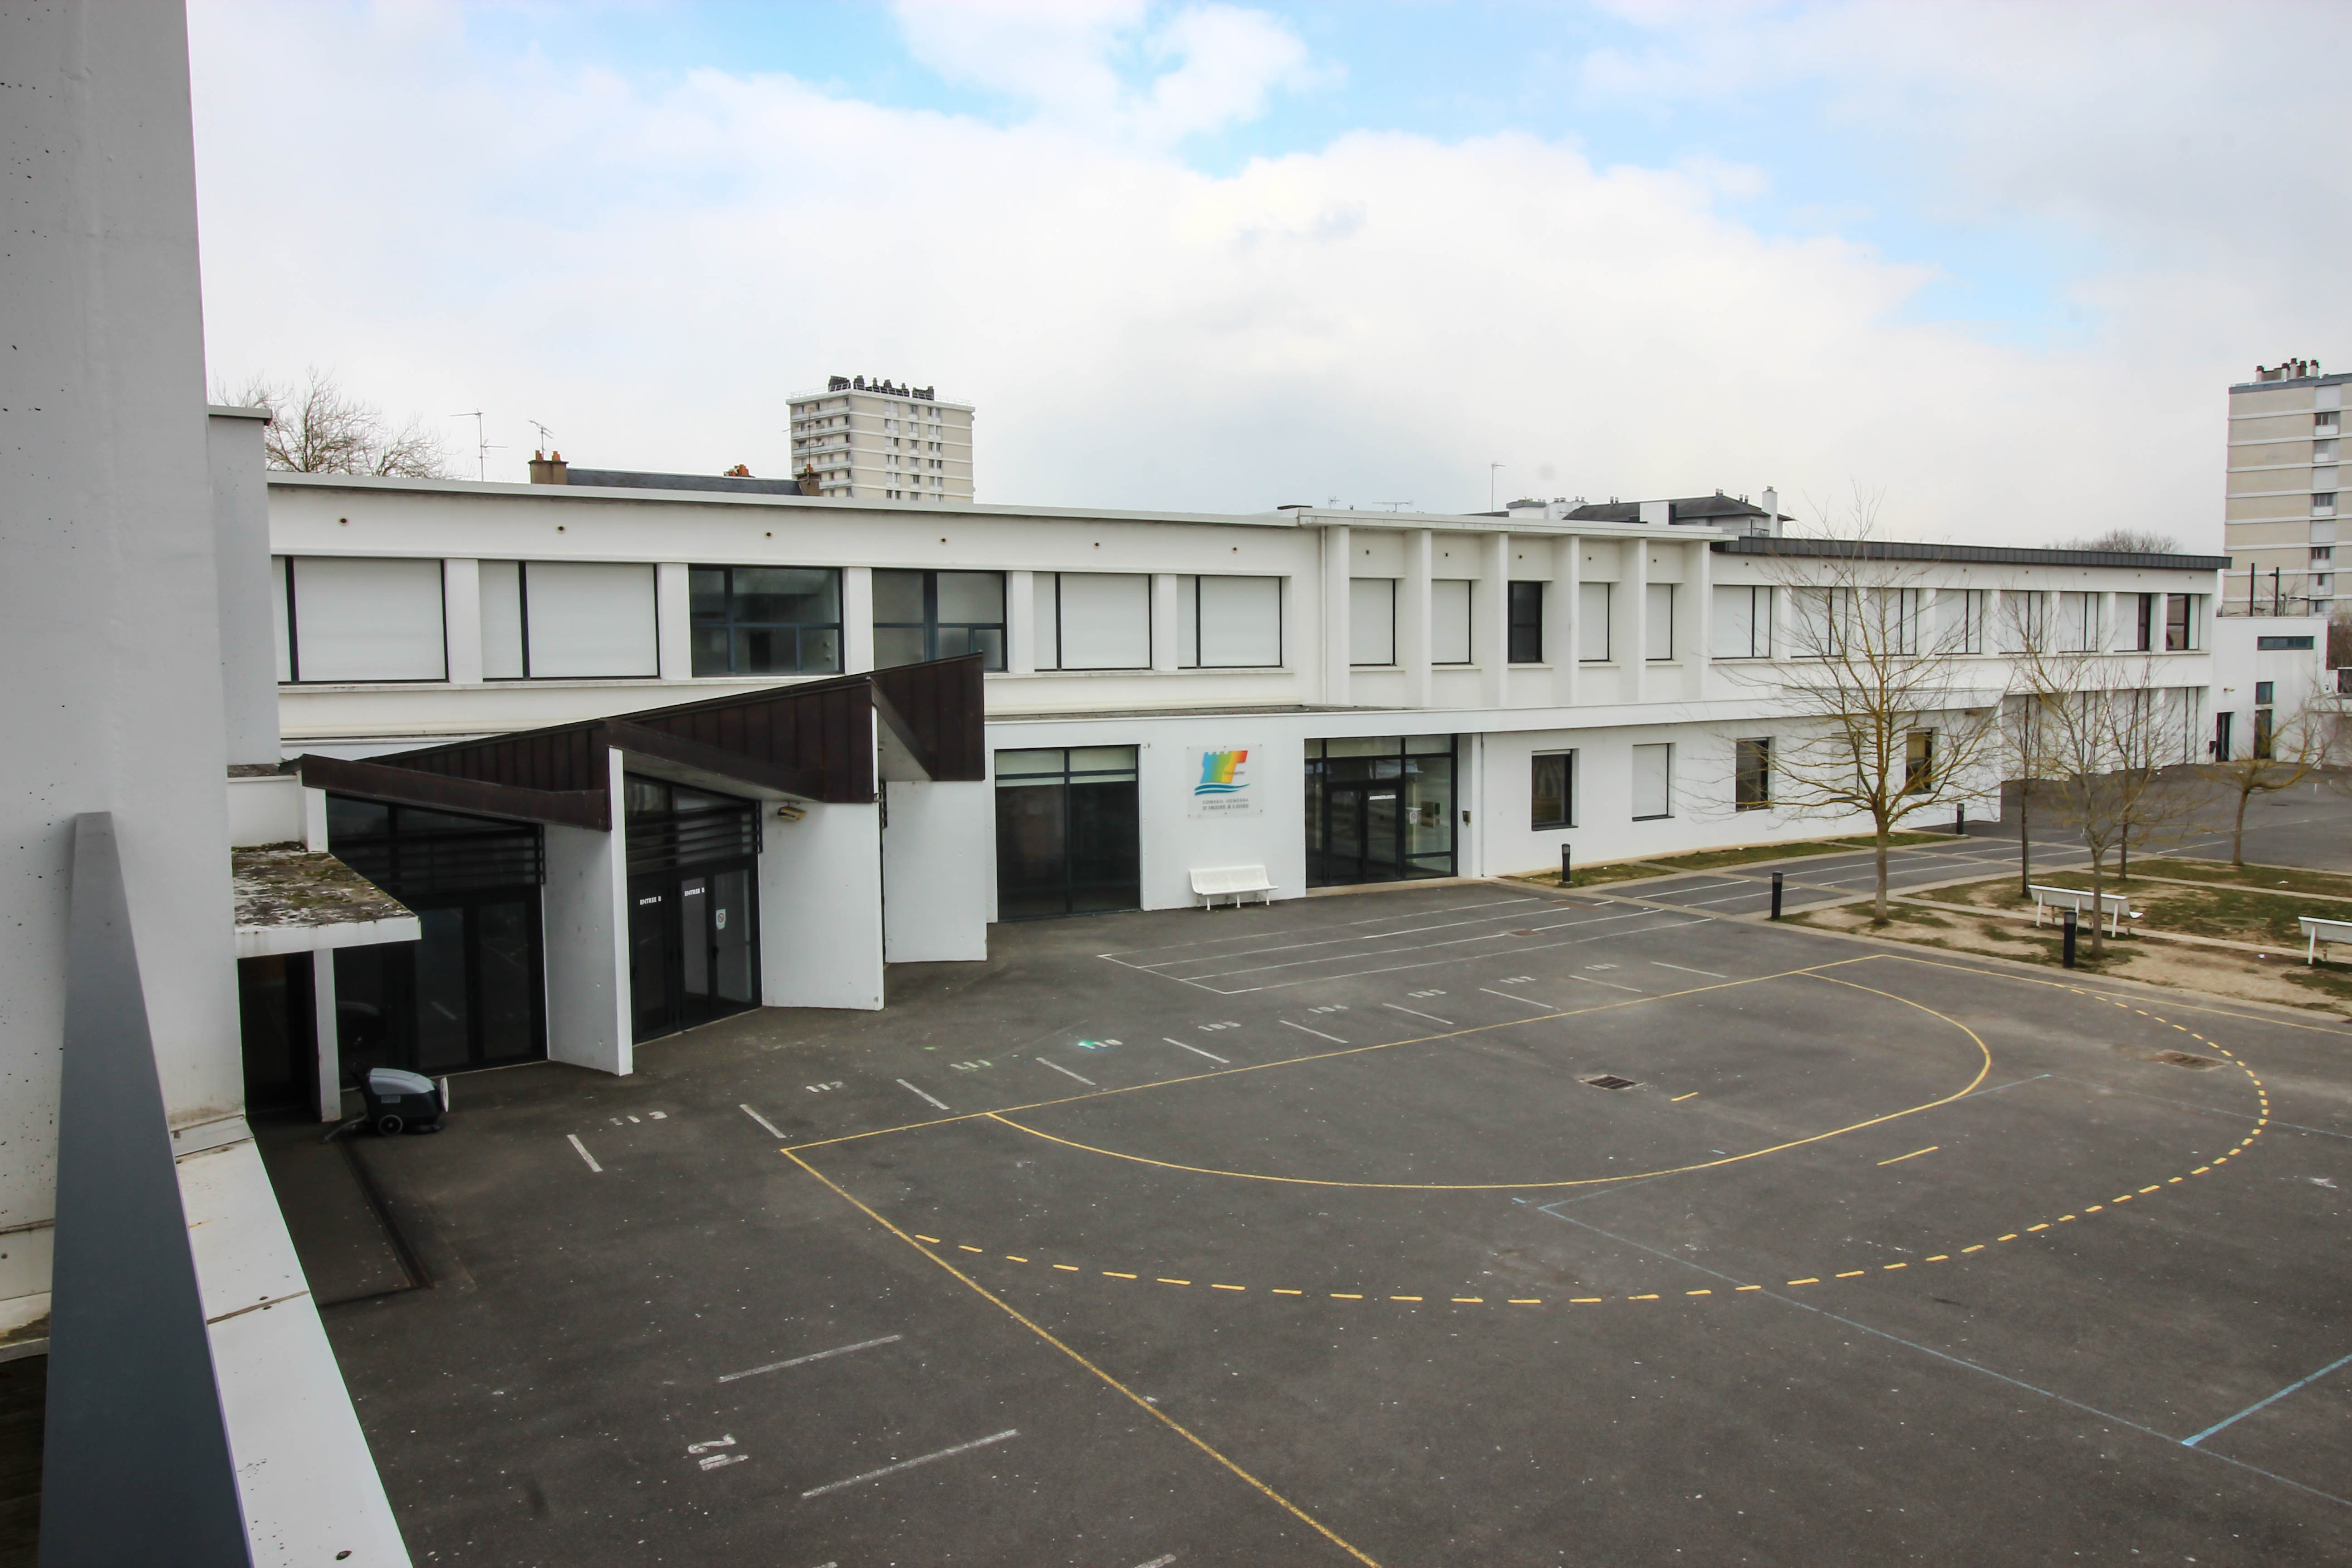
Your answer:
<point x="1380" y="808"/>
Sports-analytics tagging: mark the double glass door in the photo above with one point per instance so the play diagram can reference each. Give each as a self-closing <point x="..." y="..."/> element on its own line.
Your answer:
<point x="466" y="994"/>
<point x="1067" y="840"/>
<point x="693" y="955"/>
<point x="1380" y="808"/>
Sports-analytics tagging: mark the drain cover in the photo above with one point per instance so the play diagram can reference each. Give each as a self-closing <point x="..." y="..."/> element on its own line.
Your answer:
<point x="2183" y="1060"/>
<point x="1611" y="1080"/>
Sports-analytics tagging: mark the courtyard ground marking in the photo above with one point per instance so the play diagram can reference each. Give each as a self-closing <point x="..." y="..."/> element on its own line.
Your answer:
<point x="1386" y="936"/>
<point x="1523" y="1001"/>
<point x="1136" y="1399"/>
<point x="583" y="1151"/>
<point x="1418" y="1013"/>
<point x="1199" y="1052"/>
<point x="773" y="1130"/>
<point x="1710" y="974"/>
<point x="910" y="1464"/>
<point x="1057" y="1067"/>
<point x="2260" y="1403"/>
<point x="1317" y="1032"/>
<point x="910" y="1088"/>
<point x="813" y="1355"/>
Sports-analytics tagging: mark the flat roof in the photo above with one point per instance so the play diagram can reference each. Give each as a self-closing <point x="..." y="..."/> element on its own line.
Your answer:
<point x="1982" y="554"/>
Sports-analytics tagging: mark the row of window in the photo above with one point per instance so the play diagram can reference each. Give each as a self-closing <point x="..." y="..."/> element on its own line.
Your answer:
<point x="1552" y="779"/>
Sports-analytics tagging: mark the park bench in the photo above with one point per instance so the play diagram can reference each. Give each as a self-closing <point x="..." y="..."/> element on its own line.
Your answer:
<point x="2317" y="930"/>
<point x="1234" y="882"/>
<point x="2116" y="907"/>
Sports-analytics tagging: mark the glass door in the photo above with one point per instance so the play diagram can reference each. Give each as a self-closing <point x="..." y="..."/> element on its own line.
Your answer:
<point x="1067" y="836"/>
<point x="1380" y="809"/>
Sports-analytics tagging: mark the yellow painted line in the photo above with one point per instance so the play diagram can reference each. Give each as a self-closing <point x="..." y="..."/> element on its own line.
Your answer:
<point x="1526" y="1301"/>
<point x="1067" y="1267"/>
<point x="2151" y="1189"/>
<point x="1344" y="1296"/>
<point x="1282" y="1292"/>
<point x="2125" y="1198"/>
<point x="1698" y="1292"/>
<point x="968" y="1248"/>
<point x="1469" y="1300"/>
<point x="1913" y="1155"/>
<point x="933" y="1239"/>
<point x="2032" y="1228"/>
<point x="1804" y="1281"/>
<point x="2094" y="1208"/>
<point x="1641" y="1297"/>
<point x="1138" y="1400"/>
<point x="1680" y="1098"/>
<point x="2010" y="1236"/>
<point x="1404" y="1297"/>
<point x="1216" y="1287"/>
<point x="1115" y="1274"/>
<point x="1010" y="1259"/>
<point x="2065" y="1217"/>
<point x="2169" y="1180"/>
<point x="1895" y="1266"/>
<point x="1978" y="1247"/>
<point x="1584" y="1300"/>
<point x="1939" y="1258"/>
<point x="1851" y="1274"/>
<point x="2200" y="1170"/>
<point x="1751" y="1287"/>
<point x="1175" y="1282"/>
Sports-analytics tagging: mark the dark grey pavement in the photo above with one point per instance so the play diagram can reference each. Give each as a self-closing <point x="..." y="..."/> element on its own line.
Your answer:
<point x="1308" y="1235"/>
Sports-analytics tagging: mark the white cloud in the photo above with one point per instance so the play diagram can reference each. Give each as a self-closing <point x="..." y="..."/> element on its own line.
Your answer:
<point x="652" y="269"/>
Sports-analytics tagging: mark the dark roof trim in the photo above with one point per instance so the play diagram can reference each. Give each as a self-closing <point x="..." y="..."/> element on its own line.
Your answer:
<point x="412" y="787"/>
<point x="1981" y="554"/>
<point x="640" y="480"/>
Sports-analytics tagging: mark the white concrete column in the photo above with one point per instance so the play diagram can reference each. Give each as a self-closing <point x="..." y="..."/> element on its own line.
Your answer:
<point x="857" y="619"/>
<point x="1020" y="621"/>
<point x="1633" y="654"/>
<point x="1698" y="583"/>
<point x="821" y="909"/>
<point x="1335" y="574"/>
<point x="674" y="620"/>
<point x="939" y="871"/>
<point x="1413" y="616"/>
<point x="585" y="910"/>
<point x="327" y="1029"/>
<point x="1562" y="628"/>
<point x="461" y="620"/>
<point x="1490" y="618"/>
<point x="1167" y="637"/>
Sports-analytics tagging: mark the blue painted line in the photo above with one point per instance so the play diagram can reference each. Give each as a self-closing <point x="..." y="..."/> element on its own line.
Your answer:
<point x="2273" y="1399"/>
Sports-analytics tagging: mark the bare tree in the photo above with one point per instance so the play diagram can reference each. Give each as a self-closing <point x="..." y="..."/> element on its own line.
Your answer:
<point x="2282" y="756"/>
<point x="1887" y="714"/>
<point x="2102" y="734"/>
<point x="2129" y="541"/>
<point x="316" y="428"/>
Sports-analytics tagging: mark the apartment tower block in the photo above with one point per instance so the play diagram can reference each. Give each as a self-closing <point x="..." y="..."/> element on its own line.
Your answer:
<point x="875" y="440"/>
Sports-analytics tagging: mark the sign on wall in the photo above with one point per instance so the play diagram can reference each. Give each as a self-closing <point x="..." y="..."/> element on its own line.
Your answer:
<point x="1224" y="780"/>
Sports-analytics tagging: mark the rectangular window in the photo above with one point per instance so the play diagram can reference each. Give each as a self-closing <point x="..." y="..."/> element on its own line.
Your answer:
<point x="1228" y="623"/>
<point x="1658" y="622"/>
<point x="2180" y="617"/>
<point x="2265" y="691"/>
<point x="2143" y="640"/>
<point x="2323" y="553"/>
<point x="1959" y="619"/>
<point x="765" y="620"/>
<point x="923" y="616"/>
<point x="2263" y="733"/>
<point x="1371" y="620"/>
<point x="1526" y="623"/>
<point x="1901" y="608"/>
<point x="1094" y="620"/>
<point x="1593" y="621"/>
<point x="1449" y="621"/>
<point x="1919" y="762"/>
<point x="2025" y="623"/>
<point x="1743" y="622"/>
<point x="1653" y="783"/>
<point x="568" y="620"/>
<point x="351" y="618"/>
<point x="2322" y="501"/>
<point x="2281" y="644"/>
<point x="1751" y="774"/>
<point x="2078" y="623"/>
<point x="1552" y="790"/>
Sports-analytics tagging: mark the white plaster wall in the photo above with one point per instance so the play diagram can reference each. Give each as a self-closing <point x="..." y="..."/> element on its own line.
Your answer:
<point x="266" y="808"/>
<point x="2238" y="665"/>
<point x="939" y="872"/>
<point x="240" y="501"/>
<point x="821" y="909"/>
<point x="584" y="911"/>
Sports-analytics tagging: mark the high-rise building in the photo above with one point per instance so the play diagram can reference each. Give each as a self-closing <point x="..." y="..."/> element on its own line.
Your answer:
<point x="2279" y="526"/>
<point x="875" y="440"/>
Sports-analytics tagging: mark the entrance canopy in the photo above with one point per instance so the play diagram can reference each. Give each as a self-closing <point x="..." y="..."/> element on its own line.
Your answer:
<point x="826" y="740"/>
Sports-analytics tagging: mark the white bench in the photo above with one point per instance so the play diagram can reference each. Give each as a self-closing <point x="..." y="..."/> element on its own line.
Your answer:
<point x="1232" y="882"/>
<point x="2116" y="907"/>
<point x="2317" y="930"/>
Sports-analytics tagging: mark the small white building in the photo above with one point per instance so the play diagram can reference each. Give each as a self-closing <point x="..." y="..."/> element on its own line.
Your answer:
<point x="1335" y="698"/>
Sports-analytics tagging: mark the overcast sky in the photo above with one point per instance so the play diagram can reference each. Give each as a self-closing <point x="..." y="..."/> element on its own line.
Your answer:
<point x="1993" y="266"/>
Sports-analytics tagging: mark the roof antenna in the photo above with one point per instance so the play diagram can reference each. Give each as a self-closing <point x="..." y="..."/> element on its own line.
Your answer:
<point x="544" y="441"/>
<point x="482" y="448"/>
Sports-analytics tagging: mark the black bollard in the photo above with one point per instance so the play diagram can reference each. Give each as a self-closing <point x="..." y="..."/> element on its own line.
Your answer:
<point x="1959" y="818"/>
<point x="2067" y="918"/>
<point x="1565" y="869"/>
<point x="1776" y="895"/>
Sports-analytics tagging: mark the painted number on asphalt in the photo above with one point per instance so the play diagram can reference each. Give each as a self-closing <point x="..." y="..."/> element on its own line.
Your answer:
<point x="824" y="1088"/>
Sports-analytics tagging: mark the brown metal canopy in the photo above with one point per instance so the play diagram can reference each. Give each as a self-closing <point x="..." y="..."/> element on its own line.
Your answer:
<point x="814" y="740"/>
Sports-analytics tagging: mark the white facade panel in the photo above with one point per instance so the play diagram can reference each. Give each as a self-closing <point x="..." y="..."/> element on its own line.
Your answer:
<point x="590" y="618"/>
<point x="501" y="600"/>
<point x="939" y="872"/>
<point x="1103" y="620"/>
<point x="362" y="619"/>
<point x="1658" y="623"/>
<point x="1449" y="621"/>
<point x="1371" y="620"/>
<point x="1653" y="781"/>
<point x="1592" y="634"/>
<point x="1239" y="623"/>
<point x="821" y="909"/>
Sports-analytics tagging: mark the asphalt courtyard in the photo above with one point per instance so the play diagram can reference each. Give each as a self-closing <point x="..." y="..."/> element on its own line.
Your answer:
<point x="1462" y="1225"/>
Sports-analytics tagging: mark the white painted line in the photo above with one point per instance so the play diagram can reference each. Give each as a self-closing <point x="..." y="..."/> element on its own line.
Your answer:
<point x="910" y="1464"/>
<point x="1196" y="1050"/>
<point x="1710" y="974"/>
<point x="719" y="1461"/>
<point x="1056" y="1067"/>
<point x="910" y="1088"/>
<point x="1523" y="1001"/>
<point x="816" y="1356"/>
<point x="583" y="1151"/>
<point x="726" y="1442"/>
<point x="773" y="1130"/>
<point x="1610" y="983"/>
<point x="1158" y="1561"/>
<point x="1419" y="1014"/>
<point x="1317" y="1032"/>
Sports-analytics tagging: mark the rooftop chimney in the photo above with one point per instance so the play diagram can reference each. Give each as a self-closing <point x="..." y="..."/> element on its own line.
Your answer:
<point x="549" y="469"/>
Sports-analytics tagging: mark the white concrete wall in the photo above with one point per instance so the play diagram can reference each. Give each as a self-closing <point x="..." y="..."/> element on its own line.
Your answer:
<point x="939" y="872"/>
<point x="821" y="909"/>
<point x="266" y="808"/>
<point x="2239" y="665"/>
<point x="240" y="499"/>
<point x="585" y="918"/>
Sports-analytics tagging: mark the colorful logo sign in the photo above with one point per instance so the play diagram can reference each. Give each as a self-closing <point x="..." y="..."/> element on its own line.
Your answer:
<point x="1217" y="771"/>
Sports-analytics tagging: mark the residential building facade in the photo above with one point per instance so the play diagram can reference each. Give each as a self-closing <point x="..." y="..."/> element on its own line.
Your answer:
<point x="2280" y="521"/>
<point x="881" y="441"/>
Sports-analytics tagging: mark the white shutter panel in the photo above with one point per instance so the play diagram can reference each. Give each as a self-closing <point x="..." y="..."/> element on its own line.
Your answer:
<point x="1734" y="622"/>
<point x="1593" y="621"/>
<point x="501" y="620"/>
<point x="1449" y="621"/>
<point x="1240" y="623"/>
<point x="1048" y="617"/>
<point x="1658" y="623"/>
<point x="359" y="619"/>
<point x="1106" y="620"/>
<point x="1188" y="622"/>
<point x="1371" y="620"/>
<point x="1653" y="781"/>
<point x="589" y="619"/>
<point x="278" y="617"/>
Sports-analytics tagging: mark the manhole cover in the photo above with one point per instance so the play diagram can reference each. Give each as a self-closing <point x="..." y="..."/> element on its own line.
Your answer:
<point x="1611" y="1080"/>
<point x="2183" y="1060"/>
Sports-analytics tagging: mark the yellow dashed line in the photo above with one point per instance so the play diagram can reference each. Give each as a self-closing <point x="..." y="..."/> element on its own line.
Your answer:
<point x="1814" y="1281"/>
<point x="1010" y="1259"/>
<point x="1851" y="1274"/>
<point x="1228" y="1286"/>
<point x="1115" y="1274"/>
<point x="1526" y="1301"/>
<point x="1345" y="1296"/>
<point x="1939" y="1258"/>
<point x="2044" y="1225"/>
<point x="1282" y="1292"/>
<point x="1978" y="1247"/>
<point x="1751" y="1287"/>
<point x="1895" y="1266"/>
<point x="1641" y="1297"/>
<point x="1404" y="1297"/>
<point x="1469" y="1300"/>
<point x="1585" y="1300"/>
<point x="933" y="1239"/>
<point x="1698" y="1292"/>
<point x="961" y="1245"/>
<point x="1175" y="1282"/>
<point x="1067" y="1267"/>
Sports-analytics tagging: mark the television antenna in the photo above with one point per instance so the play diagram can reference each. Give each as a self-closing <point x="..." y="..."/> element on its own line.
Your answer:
<point x="545" y="442"/>
<point x="482" y="448"/>
<point x="1393" y="505"/>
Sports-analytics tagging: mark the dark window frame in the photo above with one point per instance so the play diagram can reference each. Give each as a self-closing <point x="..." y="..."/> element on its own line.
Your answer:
<point x="930" y="626"/>
<point x="2181" y="622"/>
<point x="726" y="623"/>
<point x="1525" y="623"/>
<point x="1919" y="762"/>
<point x="1751" y="774"/>
<point x="1566" y="761"/>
